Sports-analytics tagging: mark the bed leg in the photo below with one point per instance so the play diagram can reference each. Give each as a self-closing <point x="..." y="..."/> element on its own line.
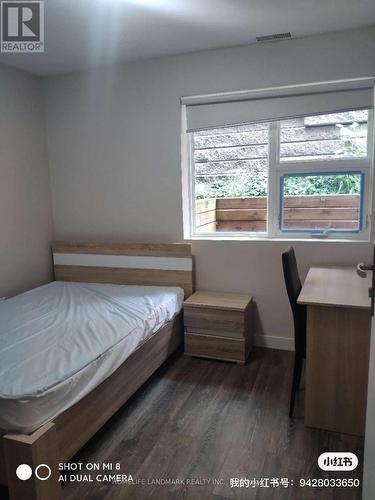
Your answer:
<point x="33" y="450"/>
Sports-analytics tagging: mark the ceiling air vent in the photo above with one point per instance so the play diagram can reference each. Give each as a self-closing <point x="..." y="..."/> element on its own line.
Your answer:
<point x="275" y="37"/>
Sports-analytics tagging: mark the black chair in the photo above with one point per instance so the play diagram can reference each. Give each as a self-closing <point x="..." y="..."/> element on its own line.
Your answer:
<point x="293" y="287"/>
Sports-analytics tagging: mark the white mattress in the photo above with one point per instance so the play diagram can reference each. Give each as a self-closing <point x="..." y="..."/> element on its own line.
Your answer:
<point x="60" y="341"/>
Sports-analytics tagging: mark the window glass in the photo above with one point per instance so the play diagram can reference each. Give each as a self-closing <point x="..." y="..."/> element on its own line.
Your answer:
<point x="322" y="137"/>
<point x="231" y="178"/>
<point x="321" y="202"/>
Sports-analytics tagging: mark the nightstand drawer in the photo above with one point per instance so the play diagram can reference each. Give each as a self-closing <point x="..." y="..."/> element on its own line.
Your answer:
<point x="210" y="346"/>
<point x="214" y="319"/>
<point x="218" y="325"/>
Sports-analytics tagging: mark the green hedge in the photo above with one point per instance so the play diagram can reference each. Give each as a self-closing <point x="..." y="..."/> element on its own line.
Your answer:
<point x="255" y="184"/>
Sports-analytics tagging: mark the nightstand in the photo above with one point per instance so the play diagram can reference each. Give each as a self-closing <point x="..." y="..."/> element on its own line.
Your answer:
<point x="218" y="326"/>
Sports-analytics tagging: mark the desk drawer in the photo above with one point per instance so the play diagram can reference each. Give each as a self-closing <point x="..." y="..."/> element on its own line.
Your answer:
<point x="211" y="346"/>
<point x="214" y="319"/>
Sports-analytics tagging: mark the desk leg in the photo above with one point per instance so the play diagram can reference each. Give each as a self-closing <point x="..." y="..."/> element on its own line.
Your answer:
<point x="337" y="359"/>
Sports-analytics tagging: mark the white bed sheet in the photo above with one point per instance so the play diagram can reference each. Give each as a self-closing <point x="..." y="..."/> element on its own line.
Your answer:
<point x="61" y="340"/>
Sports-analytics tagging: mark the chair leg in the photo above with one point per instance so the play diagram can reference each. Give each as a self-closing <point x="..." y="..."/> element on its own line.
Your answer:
<point x="298" y="360"/>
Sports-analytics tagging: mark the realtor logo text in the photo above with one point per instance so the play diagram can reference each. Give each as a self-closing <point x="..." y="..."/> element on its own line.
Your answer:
<point x="22" y="26"/>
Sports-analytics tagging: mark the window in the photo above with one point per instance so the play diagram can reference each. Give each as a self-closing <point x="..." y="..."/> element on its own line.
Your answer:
<point x="307" y="176"/>
<point x="324" y="137"/>
<point x="325" y="195"/>
<point x="321" y="202"/>
<point x="231" y="178"/>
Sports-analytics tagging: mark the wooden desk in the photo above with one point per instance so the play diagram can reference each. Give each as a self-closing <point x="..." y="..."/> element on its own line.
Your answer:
<point x="337" y="350"/>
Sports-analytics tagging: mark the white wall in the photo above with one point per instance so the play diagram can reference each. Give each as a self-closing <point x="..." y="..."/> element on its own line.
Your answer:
<point x="25" y="199"/>
<point x="114" y="152"/>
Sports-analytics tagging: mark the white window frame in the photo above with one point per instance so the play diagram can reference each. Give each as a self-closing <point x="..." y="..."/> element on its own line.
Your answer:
<point x="363" y="165"/>
<point x="276" y="170"/>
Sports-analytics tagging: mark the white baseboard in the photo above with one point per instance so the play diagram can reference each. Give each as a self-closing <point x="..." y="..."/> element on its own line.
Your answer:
<point x="284" y="343"/>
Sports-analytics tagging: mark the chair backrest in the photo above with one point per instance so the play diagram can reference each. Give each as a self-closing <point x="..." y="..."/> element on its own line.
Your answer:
<point x="293" y="287"/>
<point x="291" y="276"/>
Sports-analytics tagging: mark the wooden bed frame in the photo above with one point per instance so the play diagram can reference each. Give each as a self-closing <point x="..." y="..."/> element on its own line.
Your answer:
<point x="56" y="442"/>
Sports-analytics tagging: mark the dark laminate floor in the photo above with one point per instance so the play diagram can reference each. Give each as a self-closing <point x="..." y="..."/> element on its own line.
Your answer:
<point x="205" y="419"/>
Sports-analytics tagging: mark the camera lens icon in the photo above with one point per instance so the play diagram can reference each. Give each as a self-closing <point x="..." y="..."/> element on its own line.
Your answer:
<point x="42" y="472"/>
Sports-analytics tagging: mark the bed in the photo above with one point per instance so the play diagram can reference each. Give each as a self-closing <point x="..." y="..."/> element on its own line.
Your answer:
<point x="108" y="321"/>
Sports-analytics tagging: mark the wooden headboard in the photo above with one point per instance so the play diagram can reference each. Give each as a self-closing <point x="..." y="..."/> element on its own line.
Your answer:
<point x="167" y="264"/>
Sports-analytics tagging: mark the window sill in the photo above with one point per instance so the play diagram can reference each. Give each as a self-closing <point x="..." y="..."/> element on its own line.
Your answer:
<point x="278" y="239"/>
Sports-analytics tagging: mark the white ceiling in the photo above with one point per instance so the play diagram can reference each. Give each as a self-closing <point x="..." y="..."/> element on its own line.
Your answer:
<point x="88" y="33"/>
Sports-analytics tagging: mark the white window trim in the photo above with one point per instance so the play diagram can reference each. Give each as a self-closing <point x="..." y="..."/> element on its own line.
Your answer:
<point x="276" y="169"/>
<point x="361" y="165"/>
<point x="361" y="235"/>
